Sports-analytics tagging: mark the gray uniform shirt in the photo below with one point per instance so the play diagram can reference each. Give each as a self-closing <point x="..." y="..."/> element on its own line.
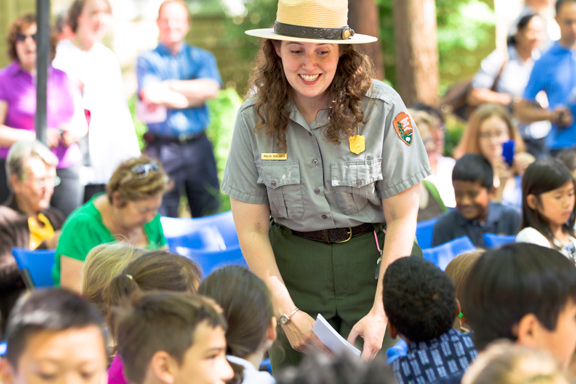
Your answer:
<point x="318" y="184"/>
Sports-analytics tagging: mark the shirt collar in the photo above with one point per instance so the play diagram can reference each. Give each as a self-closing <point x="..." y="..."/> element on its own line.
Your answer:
<point x="239" y="361"/>
<point x="320" y="121"/>
<point x="165" y="51"/>
<point x="494" y="214"/>
<point x="443" y="339"/>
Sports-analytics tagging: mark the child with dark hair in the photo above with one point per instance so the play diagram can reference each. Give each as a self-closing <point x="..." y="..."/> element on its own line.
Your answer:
<point x="249" y="312"/>
<point x="568" y="158"/>
<point x="524" y="293"/>
<point x="549" y="207"/>
<point x="475" y="213"/>
<point x="54" y="336"/>
<point x="420" y="303"/>
<point x="172" y="338"/>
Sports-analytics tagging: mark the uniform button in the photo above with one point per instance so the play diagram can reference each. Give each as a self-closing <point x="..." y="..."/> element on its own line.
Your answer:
<point x="358" y="182"/>
<point x="324" y="216"/>
<point x="273" y="183"/>
<point x="315" y="161"/>
<point x="317" y="191"/>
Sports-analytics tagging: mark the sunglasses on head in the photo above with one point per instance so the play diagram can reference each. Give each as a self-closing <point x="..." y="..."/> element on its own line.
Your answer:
<point x="143" y="170"/>
<point x="22" y="37"/>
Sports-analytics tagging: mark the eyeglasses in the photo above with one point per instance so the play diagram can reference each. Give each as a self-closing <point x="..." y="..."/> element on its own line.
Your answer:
<point x="43" y="181"/>
<point x="143" y="170"/>
<point x="22" y="37"/>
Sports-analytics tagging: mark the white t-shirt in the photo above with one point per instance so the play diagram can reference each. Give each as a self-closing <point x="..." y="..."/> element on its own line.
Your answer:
<point x="251" y="374"/>
<point x="533" y="236"/>
<point x="111" y="134"/>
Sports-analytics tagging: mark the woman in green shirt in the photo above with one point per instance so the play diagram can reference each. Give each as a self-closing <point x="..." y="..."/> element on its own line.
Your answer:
<point x="128" y="212"/>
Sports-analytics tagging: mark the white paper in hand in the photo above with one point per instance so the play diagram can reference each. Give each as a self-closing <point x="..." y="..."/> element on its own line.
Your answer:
<point x="330" y="338"/>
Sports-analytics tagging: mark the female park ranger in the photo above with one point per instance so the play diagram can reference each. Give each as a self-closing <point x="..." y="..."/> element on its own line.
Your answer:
<point x="322" y="156"/>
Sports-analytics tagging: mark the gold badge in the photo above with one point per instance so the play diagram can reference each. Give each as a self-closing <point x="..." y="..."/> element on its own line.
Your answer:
<point x="274" y="156"/>
<point x="357" y="144"/>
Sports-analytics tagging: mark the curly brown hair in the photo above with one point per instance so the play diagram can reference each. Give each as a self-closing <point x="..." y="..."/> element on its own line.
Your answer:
<point x="20" y="24"/>
<point x="269" y="85"/>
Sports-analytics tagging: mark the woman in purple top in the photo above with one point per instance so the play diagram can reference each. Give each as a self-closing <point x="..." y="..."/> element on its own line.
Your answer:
<point x="65" y="117"/>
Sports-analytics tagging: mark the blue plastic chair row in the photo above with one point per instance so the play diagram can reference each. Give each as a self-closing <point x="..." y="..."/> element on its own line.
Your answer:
<point x="444" y="253"/>
<point x="35" y="266"/>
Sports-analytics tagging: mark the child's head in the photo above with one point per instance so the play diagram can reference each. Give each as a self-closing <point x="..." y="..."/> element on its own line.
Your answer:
<point x="172" y="337"/>
<point x="473" y="180"/>
<point x="506" y="363"/>
<point x="568" y="158"/>
<point x="548" y="197"/>
<point x="525" y="293"/>
<point x="153" y="271"/>
<point x="427" y="128"/>
<point x="247" y="307"/>
<point x="419" y="299"/>
<point x="458" y="270"/>
<point x="55" y="336"/>
<point x="102" y="264"/>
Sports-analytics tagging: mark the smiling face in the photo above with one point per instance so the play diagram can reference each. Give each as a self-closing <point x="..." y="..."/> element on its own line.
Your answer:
<point x="74" y="356"/>
<point x="557" y="205"/>
<point x="472" y="199"/>
<point x="493" y="132"/>
<point x="93" y="20"/>
<point x="173" y="24"/>
<point x="309" y="69"/>
<point x="205" y="361"/>
<point x="26" y="47"/>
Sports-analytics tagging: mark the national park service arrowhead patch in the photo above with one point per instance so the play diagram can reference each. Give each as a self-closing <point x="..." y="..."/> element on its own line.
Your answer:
<point x="403" y="126"/>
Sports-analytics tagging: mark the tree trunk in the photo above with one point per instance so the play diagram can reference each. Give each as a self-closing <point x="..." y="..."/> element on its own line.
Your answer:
<point x="363" y="18"/>
<point x="416" y="50"/>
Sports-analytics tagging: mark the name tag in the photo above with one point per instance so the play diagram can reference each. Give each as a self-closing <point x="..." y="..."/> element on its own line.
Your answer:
<point x="274" y="156"/>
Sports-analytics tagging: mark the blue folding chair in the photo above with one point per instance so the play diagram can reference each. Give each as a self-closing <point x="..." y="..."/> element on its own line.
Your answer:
<point x="493" y="240"/>
<point x="3" y="347"/>
<point x="35" y="266"/>
<point x="209" y="233"/>
<point x="444" y="253"/>
<point x="424" y="232"/>
<point x="211" y="260"/>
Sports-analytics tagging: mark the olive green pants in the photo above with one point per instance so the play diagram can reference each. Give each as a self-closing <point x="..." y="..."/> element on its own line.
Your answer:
<point x="336" y="280"/>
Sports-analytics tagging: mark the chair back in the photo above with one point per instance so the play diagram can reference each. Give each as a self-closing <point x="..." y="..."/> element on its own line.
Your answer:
<point x="35" y="266"/>
<point x="209" y="233"/>
<point x="444" y="253"/>
<point x="210" y="260"/>
<point x="493" y="240"/>
<point x="424" y="232"/>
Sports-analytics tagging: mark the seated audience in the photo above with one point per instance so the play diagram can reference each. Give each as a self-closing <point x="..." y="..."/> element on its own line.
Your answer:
<point x="503" y="75"/>
<point x="173" y="337"/>
<point x="524" y="293"/>
<point x="66" y="123"/>
<point x="506" y="363"/>
<point x="103" y="263"/>
<point x="420" y="303"/>
<point x="475" y="213"/>
<point x="249" y="312"/>
<point x="54" y="336"/>
<point x="441" y="165"/>
<point x="548" y="207"/>
<point x="344" y="368"/>
<point x="489" y="127"/>
<point x="128" y="212"/>
<point x="431" y="204"/>
<point x="26" y="219"/>
<point x="153" y="271"/>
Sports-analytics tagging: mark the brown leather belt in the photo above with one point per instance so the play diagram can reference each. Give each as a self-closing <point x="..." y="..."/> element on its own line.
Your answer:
<point x="335" y="235"/>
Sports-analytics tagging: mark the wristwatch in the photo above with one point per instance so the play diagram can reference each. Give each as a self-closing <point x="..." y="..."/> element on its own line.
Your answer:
<point x="285" y="319"/>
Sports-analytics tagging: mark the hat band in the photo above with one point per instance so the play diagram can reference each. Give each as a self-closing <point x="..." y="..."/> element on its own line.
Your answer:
<point x="300" y="31"/>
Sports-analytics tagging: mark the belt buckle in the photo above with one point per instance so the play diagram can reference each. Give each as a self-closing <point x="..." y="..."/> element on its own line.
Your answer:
<point x="348" y="239"/>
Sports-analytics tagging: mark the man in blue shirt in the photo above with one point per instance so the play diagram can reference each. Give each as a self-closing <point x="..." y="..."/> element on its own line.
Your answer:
<point x="174" y="82"/>
<point x="555" y="75"/>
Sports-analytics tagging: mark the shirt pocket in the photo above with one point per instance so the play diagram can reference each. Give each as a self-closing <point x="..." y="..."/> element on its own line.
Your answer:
<point x="354" y="183"/>
<point x="285" y="195"/>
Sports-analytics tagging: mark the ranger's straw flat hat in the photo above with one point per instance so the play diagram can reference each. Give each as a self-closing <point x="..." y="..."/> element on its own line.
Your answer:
<point x="312" y="21"/>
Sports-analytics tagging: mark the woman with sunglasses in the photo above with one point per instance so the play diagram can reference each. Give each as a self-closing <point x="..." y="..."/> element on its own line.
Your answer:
<point x="65" y="116"/>
<point x="127" y="212"/>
